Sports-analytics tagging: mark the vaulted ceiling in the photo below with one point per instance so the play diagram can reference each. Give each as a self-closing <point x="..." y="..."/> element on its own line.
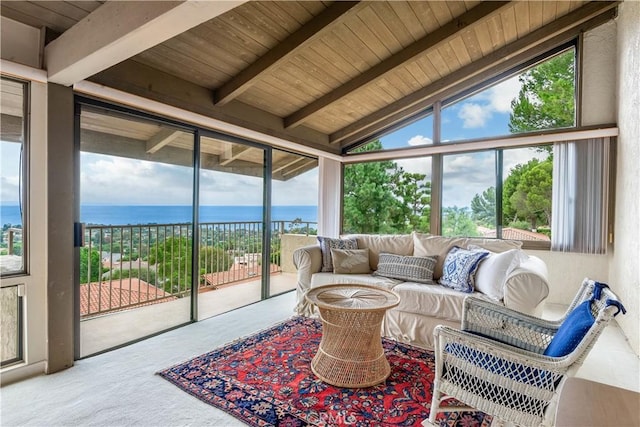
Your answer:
<point x="327" y="75"/>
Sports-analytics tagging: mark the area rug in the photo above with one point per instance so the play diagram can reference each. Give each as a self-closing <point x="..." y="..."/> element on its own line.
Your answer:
<point x="266" y="380"/>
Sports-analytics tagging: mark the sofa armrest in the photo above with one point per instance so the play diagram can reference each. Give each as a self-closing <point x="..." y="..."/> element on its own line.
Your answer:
<point x="307" y="260"/>
<point x="527" y="286"/>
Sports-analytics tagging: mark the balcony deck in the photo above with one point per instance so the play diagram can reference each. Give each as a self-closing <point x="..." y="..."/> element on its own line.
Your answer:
<point x="110" y="330"/>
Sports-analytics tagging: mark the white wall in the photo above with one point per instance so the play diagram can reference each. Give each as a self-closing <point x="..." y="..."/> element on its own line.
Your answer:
<point x="567" y="270"/>
<point x="624" y="263"/>
<point x="35" y="283"/>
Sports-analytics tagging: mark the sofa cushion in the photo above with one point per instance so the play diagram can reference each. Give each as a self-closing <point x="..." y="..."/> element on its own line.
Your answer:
<point x="460" y="266"/>
<point x="428" y="245"/>
<point x="431" y="300"/>
<point x="399" y="244"/>
<point x="328" y="243"/>
<point x="319" y="279"/>
<point x="411" y="268"/>
<point x="493" y="245"/>
<point x="350" y="261"/>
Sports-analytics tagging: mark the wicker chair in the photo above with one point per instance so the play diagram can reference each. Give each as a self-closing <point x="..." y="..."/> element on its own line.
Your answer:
<point x="496" y="363"/>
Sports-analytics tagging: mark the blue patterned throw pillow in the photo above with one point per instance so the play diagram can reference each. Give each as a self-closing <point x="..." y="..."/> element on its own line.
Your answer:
<point x="328" y="243"/>
<point x="459" y="268"/>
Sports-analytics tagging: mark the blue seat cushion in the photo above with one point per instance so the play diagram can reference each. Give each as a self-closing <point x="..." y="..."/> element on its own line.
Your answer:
<point x="572" y="331"/>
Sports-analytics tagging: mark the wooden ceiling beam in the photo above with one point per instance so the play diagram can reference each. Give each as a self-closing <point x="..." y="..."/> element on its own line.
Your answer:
<point x="119" y="30"/>
<point x="234" y="152"/>
<point x="161" y="139"/>
<point x="297" y="170"/>
<point x="528" y="47"/>
<point x="141" y="80"/>
<point x="296" y="42"/>
<point x="432" y="40"/>
<point x="287" y="164"/>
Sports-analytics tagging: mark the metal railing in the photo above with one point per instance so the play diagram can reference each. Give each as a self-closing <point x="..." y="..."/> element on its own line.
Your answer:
<point x="125" y="266"/>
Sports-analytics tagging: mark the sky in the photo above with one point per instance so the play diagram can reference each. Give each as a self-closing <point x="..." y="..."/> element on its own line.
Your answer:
<point x="113" y="180"/>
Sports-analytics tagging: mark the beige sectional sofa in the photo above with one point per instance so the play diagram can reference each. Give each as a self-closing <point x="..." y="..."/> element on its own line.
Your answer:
<point x="522" y="285"/>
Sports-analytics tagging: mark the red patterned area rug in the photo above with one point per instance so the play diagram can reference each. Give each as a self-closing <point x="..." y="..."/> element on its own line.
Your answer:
<point x="266" y="380"/>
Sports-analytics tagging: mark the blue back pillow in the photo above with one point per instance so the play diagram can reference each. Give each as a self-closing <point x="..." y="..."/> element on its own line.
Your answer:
<point x="571" y="332"/>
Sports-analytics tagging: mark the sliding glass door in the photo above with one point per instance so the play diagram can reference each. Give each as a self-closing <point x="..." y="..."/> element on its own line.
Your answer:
<point x="176" y="223"/>
<point x="135" y="243"/>
<point x="232" y="200"/>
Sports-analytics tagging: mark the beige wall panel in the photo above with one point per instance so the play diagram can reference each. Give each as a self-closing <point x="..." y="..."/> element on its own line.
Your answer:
<point x="567" y="270"/>
<point x="625" y="260"/>
<point x="599" y="75"/>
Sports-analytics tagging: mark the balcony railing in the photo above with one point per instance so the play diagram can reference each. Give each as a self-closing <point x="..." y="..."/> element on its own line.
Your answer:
<point x="126" y="266"/>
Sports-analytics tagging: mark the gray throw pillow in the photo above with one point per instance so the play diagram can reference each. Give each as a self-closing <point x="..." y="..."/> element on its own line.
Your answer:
<point x="350" y="261"/>
<point x="409" y="268"/>
<point x="328" y="243"/>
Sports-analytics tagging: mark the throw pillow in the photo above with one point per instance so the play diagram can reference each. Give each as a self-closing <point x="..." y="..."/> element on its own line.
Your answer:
<point x="410" y="268"/>
<point x="494" y="270"/>
<point x="383" y="243"/>
<point x="350" y="261"/>
<point x="428" y="245"/>
<point x="572" y="331"/>
<point x="459" y="268"/>
<point x="328" y="243"/>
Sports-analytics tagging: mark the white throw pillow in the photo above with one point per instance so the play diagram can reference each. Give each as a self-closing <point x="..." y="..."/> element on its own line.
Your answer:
<point x="494" y="269"/>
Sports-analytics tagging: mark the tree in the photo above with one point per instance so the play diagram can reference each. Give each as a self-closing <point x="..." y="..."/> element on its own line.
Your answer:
<point x="381" y="197"/>
<point x="483" y="207"/>
<point x="173" y="263"/>
<point x="546" y="97"/>
<point x="532" y="198"/>
<point x="368" y="200"/>
<point x="90" y="259"/>
<point x="457" y="222"/>
<point x="414" y="194"/>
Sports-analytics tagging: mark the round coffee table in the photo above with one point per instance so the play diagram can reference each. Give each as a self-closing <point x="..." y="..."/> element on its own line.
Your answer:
<point x="350" y="353"/>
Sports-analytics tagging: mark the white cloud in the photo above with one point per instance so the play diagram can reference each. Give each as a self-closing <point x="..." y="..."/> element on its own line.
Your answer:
<point x="474" y="115"/>
<point x="501" y="95"/>
<point x="115" y="180"/>
<point x="419" y="140"/>
<point x="478" y="109"/>
<point x="417" y="165"/>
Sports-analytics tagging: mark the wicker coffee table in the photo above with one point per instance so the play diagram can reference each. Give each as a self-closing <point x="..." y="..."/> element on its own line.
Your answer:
<point x="350" y="353"/>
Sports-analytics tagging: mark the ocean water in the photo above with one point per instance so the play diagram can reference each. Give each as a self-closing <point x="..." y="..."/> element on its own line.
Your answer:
<point x="172" y="214"/>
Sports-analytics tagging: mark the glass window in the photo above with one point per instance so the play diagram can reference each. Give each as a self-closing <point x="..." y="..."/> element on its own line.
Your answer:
<point x="13" y="173"/>
<point x="526" y="193"/>
<point x="387" y="196"/>
<point x="294" y="214"/>
<point x="418" y="132"/>
<point x="468" y="194"/>
<point x="541" y="97"/>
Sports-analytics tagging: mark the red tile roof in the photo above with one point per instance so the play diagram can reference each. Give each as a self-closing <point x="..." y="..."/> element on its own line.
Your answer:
<point x="100" y="297"/>
<point x="237" y="273"/>
<point x="514" y="234"/>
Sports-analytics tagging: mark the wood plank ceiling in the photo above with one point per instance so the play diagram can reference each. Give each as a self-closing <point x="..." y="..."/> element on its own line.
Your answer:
<point x="332" y="74"/>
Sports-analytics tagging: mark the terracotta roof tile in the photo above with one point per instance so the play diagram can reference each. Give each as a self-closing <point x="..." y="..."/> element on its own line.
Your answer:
<point x="108" y="296"/>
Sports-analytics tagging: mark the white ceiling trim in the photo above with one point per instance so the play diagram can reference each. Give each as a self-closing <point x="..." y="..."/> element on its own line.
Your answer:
<point x="487" y="144"/>
<point x="119" y="30"/>
<point x="145" y="104"/>
<point x="13" y="69"/>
